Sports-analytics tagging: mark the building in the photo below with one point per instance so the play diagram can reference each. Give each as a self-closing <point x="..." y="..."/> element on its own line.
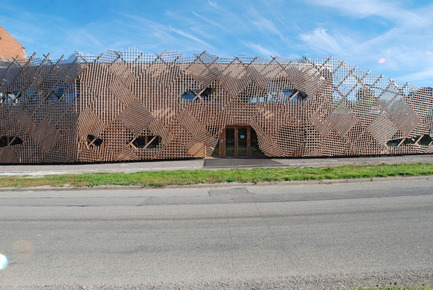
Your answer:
<point x="10" y="48"/>
<point x="127" y="105"/>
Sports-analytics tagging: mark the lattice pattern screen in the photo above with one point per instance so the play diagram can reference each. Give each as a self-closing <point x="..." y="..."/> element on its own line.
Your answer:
<point x="132" y="106"/>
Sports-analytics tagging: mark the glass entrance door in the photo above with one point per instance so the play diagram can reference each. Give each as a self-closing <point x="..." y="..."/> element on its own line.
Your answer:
<point x="230" y="142"/>
<point x="237" y="141"/>
<point x="243" y="141"/>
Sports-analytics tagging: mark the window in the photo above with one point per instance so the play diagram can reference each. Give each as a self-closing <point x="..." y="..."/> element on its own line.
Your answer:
<point x="192" y="91"/>
<point x="54" y="96"/>
<point x="65" y="93"/>
<point x="10" y="141"/>
<point x="146" y="142"/>
<point x="274" y="92"/>
<point x="188" y="96"/>
<point x="292" y="96"/>
<point x="424" y="140"/>
<point x="93" y="141"/>
<point x="198" y="95"/>
<point x="9" y="98"/>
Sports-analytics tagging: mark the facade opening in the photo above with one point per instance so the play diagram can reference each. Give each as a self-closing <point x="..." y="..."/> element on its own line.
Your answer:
<point x="237" y="142"/>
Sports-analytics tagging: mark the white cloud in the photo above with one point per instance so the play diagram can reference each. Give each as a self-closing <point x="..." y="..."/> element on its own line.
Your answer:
<point x="214" y="23"/>
<point x="266" y="25"/>
<point x="314" y="28"/>
<point x="320" y="40"/>
<point x="190" y="36"/>
<point x="405" y="43"/>
<point x="385" y="9"/>
<point x="261" y="49"/>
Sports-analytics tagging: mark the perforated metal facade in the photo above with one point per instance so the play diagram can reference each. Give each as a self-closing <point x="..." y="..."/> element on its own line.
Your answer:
<point x="132" y="106"/>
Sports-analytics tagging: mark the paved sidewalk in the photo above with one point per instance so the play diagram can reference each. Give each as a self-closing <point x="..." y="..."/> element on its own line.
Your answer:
<point x="212" y="163"/>
<point x="127" y="167"/>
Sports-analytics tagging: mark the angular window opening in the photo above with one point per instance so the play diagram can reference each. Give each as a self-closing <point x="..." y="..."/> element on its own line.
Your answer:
<point x="9" y="98"/>
<point x="275" y="92"/>
<point x="188" y="96"/>
<point x="424" y="140"/>
<point x="146" y="142"/>
<point x="139" y="142"/>
<point x="68" y="93"/>
<point x="207" y="93"/>
<point x="408" y="141"/>
<point x="154" y="142"/>
<point x="198" y="95"/>
<point x="394" y="142"/>
<point x="10" y="141"/>
<point x="54" y="96"/>
<point x="93" y="141"/>
<point x="65" y="93"/>
<point x="280" y="91"/>
<point x="292" y="95"/>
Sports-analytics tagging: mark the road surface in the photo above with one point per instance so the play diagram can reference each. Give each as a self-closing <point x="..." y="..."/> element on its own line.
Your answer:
<point x="289" y="236"/>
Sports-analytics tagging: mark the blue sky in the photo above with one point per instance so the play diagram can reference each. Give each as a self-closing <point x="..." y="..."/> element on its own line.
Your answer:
<point x="390" y="37"/>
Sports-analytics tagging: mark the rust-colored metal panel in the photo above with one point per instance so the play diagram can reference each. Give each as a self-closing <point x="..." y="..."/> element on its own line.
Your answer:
<point x="126" y="105"/>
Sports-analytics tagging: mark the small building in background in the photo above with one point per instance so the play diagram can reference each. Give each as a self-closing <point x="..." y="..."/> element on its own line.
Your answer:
<point x="10" y="48"/>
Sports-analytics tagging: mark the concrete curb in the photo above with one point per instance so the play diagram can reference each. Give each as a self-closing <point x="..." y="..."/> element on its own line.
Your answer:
<point x="228" y="185"/>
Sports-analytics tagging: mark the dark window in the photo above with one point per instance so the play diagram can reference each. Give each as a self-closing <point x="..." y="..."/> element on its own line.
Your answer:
<point x="292" y="96"/>
<point x="10" y="141"/>
<point x="198" y="95"/>
<point x="65" y="93"/>
<point x="146" y="142"/>
<point x="424" y="140"/>
<point x="9" y="97"/>
<point x="93" y="141"/>
<point x="207" y="93"/>
<point x="139" y="142"/>
<point x="53" y="97"/>
<point x="394" y="142"/>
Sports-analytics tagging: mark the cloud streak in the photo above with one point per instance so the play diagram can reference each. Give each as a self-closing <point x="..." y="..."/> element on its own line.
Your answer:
<point x="263" y="51"/>
<point x="320" y="40"/>
<point x="191" y="37"/>
<point x="361" y="32"/>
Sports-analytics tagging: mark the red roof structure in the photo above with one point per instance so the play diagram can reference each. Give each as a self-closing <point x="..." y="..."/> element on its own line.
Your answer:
<point x="9" y="47"/>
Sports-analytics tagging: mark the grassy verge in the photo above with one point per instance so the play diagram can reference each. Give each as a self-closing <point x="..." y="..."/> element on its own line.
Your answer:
<point x="392" y="288"/>
<point x="182" y="177"/>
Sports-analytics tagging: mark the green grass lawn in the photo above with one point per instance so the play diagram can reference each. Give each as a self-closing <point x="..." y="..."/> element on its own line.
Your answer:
<point x="183" y="177"/>
<point x="392" y="288"/>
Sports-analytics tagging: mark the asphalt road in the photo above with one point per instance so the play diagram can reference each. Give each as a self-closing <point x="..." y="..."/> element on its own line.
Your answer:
<point x="290" y="236"/>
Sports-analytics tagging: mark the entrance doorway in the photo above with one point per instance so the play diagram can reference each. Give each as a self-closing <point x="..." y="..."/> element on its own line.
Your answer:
<point x="237" y="142"/>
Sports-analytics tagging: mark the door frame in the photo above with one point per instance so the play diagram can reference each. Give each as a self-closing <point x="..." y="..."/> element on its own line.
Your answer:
<point x="223" y="141"/>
